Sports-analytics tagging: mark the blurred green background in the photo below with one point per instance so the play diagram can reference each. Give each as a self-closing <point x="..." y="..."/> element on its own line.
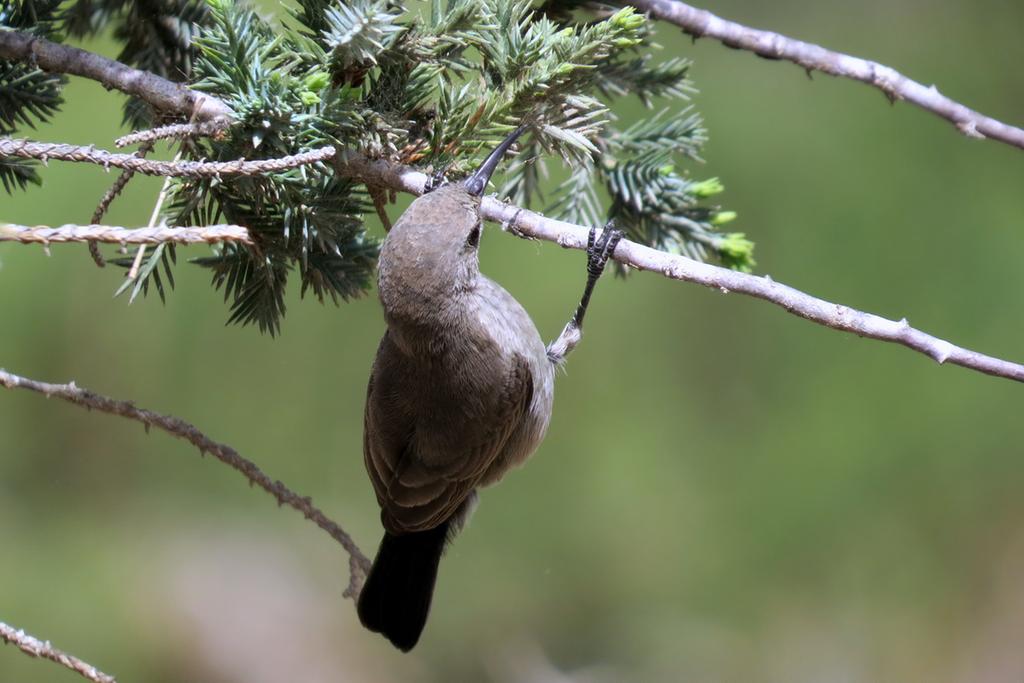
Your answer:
<point x="727" y="492"/>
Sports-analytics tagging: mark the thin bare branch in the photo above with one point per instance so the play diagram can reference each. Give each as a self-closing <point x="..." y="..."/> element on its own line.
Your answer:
<point x="701" y="23"/>
<point x="34" y="647"/>
<point x="838" y="317"/>
<point x="122" y="180"/>
<point x="111" y="234"/>
<point x="164" y="95"/>
<point x="133" y="272"/>
<point x="97" y="257"/>
<point x="177" y="427"/>
<point x="45" y="151"/>
<point x="380" y="203"/>
<point x="175" y="130"/>
<point x="108" y="197"/>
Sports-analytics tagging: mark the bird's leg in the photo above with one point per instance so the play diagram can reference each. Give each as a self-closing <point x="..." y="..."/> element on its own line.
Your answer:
<point x="599" y="250"/>
<point x="598" y="253"/>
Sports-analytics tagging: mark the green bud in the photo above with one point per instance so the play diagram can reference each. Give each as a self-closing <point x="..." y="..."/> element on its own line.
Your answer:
<point x="309" y="98"/>
<point x="707" y="188"/>
<point x="625" y="42"/>
<point x="723" y="217"/>
<point x="667" y="169"/>
<point x="736" y="245"/>
<point x="317" y="81"/>
<point x="627" y="18"/>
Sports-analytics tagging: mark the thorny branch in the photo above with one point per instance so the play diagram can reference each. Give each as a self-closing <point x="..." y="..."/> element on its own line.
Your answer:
<point x="34" y="647"/>
<point x="838" y="317"/>
<point x="701" y="23"/>
<point x="45" y="151"/>
<point x="358" y="562"/>
<point x="175" y="130"/>
<point x="41" y="234"/>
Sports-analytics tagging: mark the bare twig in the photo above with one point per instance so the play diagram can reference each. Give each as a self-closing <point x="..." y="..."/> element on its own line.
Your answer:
<point x="379" y="195"/>
<point x="176" y="130"/>
<point x="533" y="225"/>
<point x="34" y="647"/>
<point x="133" y="272"/>
<point x="108" y="197"/>
<point x="175" y="426"/>
<point x="94" y="252"/>
<point x="162" y="94"/>
<point x="122" y="180"/>
<point x="45" y="151"/>
<point x="111" y="234"/>
<point x="701" y="23"/>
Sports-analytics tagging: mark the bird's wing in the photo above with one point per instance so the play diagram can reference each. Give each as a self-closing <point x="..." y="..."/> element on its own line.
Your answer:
<point x="418" y="492"/>
<point x="388" y="424"/>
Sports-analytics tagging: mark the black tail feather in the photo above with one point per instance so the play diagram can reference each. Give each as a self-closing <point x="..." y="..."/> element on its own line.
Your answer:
<point x="395" y="599"/>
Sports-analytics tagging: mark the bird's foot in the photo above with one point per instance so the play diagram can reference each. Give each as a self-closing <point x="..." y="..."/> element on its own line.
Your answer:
<point x="437" y="179"/>
<point x="600" y="249"/>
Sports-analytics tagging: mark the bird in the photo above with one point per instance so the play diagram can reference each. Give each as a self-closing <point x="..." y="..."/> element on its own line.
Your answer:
<point x="460" y="391"/>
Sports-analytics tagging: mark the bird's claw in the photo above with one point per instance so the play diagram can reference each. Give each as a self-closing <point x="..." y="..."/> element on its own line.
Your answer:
<point x="600" y="249"/>
<point x="436" y="179"/>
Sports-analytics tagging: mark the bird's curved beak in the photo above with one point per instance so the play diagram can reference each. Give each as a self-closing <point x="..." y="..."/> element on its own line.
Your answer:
<point x="477" y="183"/>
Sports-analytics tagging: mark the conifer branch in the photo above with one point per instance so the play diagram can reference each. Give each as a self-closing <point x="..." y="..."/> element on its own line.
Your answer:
<point x="836" y="316"/>
<point x="163" y="94"/>
<point x="359" y="563"/>
<point x="34" y="647"/>
<point x="41" y="234"/>
<point x="46" y="151"/>
<point x="701" y="23"/>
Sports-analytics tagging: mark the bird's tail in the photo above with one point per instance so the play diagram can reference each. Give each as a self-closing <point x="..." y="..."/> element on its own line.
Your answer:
<point x="395" y="599"/>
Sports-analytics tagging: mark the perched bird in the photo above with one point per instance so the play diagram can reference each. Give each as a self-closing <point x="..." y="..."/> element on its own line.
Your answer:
<point x="460" y="391"/>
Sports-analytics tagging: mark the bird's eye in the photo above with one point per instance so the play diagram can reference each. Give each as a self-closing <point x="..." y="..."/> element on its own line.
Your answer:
<point x="474" y="237"/>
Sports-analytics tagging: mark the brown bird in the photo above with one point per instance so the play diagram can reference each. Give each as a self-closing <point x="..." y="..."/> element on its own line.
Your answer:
<point x="460" y="391"/>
